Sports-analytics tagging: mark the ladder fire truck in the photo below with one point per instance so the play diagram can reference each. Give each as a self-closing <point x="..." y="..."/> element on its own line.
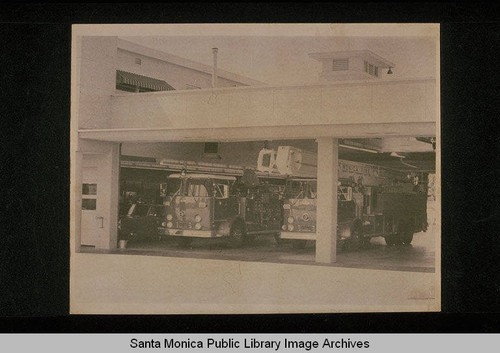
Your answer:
<point x="372" y="201"/>
<point x="213" y="206"/>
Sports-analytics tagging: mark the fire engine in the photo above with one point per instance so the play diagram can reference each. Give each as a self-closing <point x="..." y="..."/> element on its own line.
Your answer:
<point x="214" y="206"/>
<point x="372" y="200"/>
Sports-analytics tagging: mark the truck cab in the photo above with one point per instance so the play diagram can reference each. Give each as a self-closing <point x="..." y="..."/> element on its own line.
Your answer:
<point x="299" y="209"/>
<point x="215" y="206"/>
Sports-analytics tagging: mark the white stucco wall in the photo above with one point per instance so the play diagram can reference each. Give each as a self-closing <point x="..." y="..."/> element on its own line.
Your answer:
<point x="97" y="81"/>
<point x="402" y="101"/>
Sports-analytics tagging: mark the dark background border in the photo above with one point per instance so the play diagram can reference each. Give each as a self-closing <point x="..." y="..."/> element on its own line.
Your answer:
<point x="35" y="124"/>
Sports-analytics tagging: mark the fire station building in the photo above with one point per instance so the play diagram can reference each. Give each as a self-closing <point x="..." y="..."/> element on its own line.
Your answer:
<point x="140" y="114"/>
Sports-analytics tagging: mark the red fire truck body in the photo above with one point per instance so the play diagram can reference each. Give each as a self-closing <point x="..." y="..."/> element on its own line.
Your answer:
<point x="393" y="212"/>
<point x="299" y="209"/>
<point x="372" y="200"/>
<point x="210" y="206"/>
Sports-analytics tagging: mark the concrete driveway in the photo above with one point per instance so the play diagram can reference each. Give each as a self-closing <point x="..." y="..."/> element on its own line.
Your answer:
<point x="418" y="257"/>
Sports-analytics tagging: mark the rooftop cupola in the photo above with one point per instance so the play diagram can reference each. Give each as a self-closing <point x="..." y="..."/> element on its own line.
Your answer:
<point x="352" y="65"/>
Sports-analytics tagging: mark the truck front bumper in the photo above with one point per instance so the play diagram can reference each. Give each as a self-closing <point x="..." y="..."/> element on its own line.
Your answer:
<point x="187" y="233"/>
<point x="298" y="235"/>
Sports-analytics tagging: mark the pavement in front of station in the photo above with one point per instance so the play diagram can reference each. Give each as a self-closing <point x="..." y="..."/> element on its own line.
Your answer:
<point x="417" y="257"/>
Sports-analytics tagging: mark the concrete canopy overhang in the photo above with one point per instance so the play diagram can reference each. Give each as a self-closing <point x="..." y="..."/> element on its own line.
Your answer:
<point x="357" y="109"/>
<point x="259" y="133"/>
<point x="325" y="112"/>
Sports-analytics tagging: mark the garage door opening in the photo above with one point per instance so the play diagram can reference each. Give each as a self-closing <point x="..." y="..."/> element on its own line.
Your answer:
<point x="257" y="201"/>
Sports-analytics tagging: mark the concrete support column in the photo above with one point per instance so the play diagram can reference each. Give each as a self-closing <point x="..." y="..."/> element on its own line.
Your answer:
<point x="326" y="218"/>
<point x="107" y="199"/>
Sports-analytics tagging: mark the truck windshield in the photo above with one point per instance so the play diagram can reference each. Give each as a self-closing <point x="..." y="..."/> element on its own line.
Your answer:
<point x="300" y="189"/>
<point x="187" y="187"/>
<point x="197" y="188"/>
<point x="220" y="189"/>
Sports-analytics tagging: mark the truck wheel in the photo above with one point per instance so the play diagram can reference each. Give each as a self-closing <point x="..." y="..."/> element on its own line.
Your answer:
<point x="406" y="237"/>
<point x="183" y="242"/>
<point x="405" y="234"/>
<point x="299" y="243"/>
<point x="365" y="242"/>
<point x="238" y="234"/>
<point x="390" y="239"/>
<point x="357" y="240"/>
<point x="357" y="237"/>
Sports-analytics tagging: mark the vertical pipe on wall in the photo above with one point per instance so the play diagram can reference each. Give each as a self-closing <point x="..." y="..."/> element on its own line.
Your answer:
<point x="76" y="197"/>
<point x="214" y="73"/>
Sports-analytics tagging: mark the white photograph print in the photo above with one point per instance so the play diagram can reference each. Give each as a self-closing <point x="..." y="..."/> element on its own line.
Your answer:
<point x="255" y="168"/>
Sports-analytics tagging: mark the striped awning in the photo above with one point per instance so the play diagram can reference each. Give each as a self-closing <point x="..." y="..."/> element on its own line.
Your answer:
<point x="134" y="80"/>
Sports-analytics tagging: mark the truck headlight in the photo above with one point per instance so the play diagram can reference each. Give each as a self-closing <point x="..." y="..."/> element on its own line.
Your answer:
<point x="197" y="225"/>
<point x="169" y="217"/>
<point x="290" y="219"/>
<point x="291" y="227"/>
<point x="197" y="218"/>
<point x="170" y="225"/>
<point x="163" y="224"/>
<point x="283" y="227"/>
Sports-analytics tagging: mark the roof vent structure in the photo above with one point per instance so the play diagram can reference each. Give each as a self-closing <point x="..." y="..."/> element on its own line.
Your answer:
<point x="351" y="65"/>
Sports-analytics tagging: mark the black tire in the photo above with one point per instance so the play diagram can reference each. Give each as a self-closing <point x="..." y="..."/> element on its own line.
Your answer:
<point x="238" y="234"/>
<point x="299" y="243"/>
<point x="406" y="237"/>
<point x="183" y="242"/>
<point x="357" y="240"/>
<point x="365" y="242"/>
<point x="390" y="239"/>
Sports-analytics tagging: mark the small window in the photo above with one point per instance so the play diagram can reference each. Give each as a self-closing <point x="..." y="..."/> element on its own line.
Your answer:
<point x="266" y="160"/>
<point x="340" y="64"/>
<point x="138" y="61"/>
<point x="313" y="192"/>
<point x="211" y="148"/>
<point x="371" y="69"/>
<point x="344" y="193"/>
<point x="366" y="200"/>
<point x="221" y="191"/>
<point x="89" y="189"/>
<point x="88" y="204"/>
